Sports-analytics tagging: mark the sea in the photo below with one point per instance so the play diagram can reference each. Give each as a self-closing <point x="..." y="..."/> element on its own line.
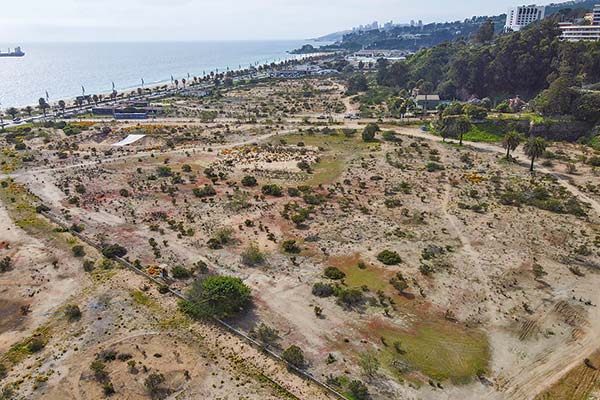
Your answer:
<point x="65" y="70"/>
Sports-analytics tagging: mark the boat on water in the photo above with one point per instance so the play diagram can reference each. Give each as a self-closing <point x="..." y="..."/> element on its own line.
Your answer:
<point x="17" y="52"/>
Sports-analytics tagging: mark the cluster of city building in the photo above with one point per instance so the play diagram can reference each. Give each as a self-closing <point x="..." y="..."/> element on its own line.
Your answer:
<point x="587" y="28"/>
<point x="386" y="26"/>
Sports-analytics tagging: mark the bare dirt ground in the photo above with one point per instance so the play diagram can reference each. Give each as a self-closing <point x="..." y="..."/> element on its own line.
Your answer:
<point x="491" y="292"/>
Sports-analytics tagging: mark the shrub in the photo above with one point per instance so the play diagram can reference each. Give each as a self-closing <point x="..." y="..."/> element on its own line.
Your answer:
<point x="350" y="297"/>
<point x="72" y="312"/>
<point x="5" y="264"/>
<point x="163" y="171"/>
<point x="369" y="363"/>
<point x="223" y="235"/>
<point x="358" y="390"/>
<point x="88" y="265"/>
<point x="334" y="273"/>
<point x="219" y="296"/>
<point x="114" y="250"/>
<point x="179" y="272"/>
<point x="108" y="389"/>
<point x="594" y="161"/>
<point x="206" y="191"/>
<point x="272" y="190"/>
<point x="2" y="371"/>
<point x="290" y="246"/>
<point x="20" y="146"/>
<point x="388" y="257"/>
<point x="369" y="132"/>
<point x="252" y="256"/>
<point x="293" y="192"/>
<point x="78" y="251"/>
<point x="79" y="188"/>
<point x="265" y="334"/>
<point x="249" y="181"/>
<point x="42" y="208"/>
<point x="434" y="167"/>
<point x="99" y="369"/>
<point x="303" y="165"/>
<point x="399" y="283"/>
<point x="153" y="385"/>
<point x="294" y="356"/>
<point x="35" y="345"/>
<point x="321" y="289"/>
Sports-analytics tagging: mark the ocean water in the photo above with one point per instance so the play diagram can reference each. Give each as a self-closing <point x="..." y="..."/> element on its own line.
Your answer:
<point x="63" y="68"/>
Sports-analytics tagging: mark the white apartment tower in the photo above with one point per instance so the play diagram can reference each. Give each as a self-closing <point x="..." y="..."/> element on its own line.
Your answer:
<point x="521" y="16"/>
<point x="596" y="17"/>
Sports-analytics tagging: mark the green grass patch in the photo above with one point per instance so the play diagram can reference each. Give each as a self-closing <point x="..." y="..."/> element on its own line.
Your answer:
<point x="326" y="171"/>
<point x="487" y="132"/>
<point x="372" y="277"/>
<point x="442" y="350"/>
<point x="23" y="349"/>
<point x="435" y="347"/>
<point x="141" y="298"/>
<point x="19" y="204"/>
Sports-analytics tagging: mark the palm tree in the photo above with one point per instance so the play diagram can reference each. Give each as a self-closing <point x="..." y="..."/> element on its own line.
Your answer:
<point x="43" y="105"/>
<point x="95" y="98"/>
<point x="176" y="84"/>
<point x="29" y="110"/>
<point x="454" y="126"/>
<point x="534" y="148"/>
<point x="62" y="105"/>
<point x="511" y="141"/>
<point x="183" y="82"/>
<point x="13" y="112"/>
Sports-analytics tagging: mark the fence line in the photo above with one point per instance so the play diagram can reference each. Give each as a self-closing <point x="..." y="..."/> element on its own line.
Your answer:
<point x="57" y="220"/>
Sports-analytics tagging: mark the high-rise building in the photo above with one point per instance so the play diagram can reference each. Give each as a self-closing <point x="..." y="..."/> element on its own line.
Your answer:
<point x="521" y="16"/>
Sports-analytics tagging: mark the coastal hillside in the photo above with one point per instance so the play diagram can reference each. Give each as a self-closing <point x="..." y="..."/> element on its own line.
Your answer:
<point x="412" y="38"/>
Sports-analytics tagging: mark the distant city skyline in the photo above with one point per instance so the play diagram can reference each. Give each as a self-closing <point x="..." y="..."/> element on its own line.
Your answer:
<point x="180" y="20"/>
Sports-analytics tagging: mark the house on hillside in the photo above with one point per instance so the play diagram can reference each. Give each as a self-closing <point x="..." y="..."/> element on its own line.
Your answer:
<point x="427" y="101"/>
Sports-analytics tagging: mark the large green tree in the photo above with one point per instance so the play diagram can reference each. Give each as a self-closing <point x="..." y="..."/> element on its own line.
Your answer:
<point x="218" y="296"/>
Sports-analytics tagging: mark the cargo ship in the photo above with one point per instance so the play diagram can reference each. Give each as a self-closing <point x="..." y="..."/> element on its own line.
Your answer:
<point x="17" y="52"/>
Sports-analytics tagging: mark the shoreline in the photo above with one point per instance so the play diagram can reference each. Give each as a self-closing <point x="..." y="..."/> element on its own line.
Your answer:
<point x="155" y="69"/>
<point x="154" y="87"/>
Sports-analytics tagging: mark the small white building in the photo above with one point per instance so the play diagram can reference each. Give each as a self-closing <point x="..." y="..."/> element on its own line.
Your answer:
<point x="521" y="16"/>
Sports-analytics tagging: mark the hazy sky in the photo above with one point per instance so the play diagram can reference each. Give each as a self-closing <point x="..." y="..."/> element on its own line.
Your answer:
<point x="135" y="20"/>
